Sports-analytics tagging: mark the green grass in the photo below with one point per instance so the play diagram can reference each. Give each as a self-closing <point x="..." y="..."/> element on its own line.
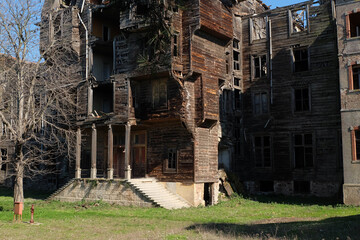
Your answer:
<point x="239" y="218"/>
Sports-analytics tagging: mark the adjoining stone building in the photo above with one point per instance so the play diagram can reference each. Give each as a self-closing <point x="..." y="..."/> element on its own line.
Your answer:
<point x="238" y="86"/>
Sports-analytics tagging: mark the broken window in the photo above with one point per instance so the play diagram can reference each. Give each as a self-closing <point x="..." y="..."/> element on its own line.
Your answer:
<point x="302" y="100"/>
<point x="176" y="45"/>
<point x="3" y="158"/>
<point x="236" y="55"/>
<point x="354" y="77"/>
<point x="262" y="151"/>
<point x="299" y="20"/>
<point x="171" y="159"/>
<point x="353" y="25"/>
<point x="303" y="150"/>
<point x="355" y="138"/>
<point x="103" y="99"/>
<point x="300" y="59"/>
<point x="260" y="103"/>
<point x="259" y="66"/>
<point x="159" y="94"/>
<point x="257" y="28"/>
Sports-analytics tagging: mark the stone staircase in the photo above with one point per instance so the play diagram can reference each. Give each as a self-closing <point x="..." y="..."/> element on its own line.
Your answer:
<point x="157" y="193"/>
<point x="51" y="197"/>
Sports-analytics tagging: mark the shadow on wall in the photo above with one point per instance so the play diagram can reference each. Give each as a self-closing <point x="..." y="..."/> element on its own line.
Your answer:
<point x="287" y="228"/>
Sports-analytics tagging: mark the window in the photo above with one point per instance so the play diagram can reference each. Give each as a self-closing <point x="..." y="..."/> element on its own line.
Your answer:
<point x="237" y="82"/>
<point x="355" y="142"/>
<point x="259" y="66"/>
<point x="257" y="28"/>
<point x="176" y="45"/>
<point x="3" y="159"/>
<point x="236" y="55"/>
<point x="353" y="25"/>
<point x="299" y="20"/>
<point x="302" y="100"/>
<point x="260" y="103"/>
<point x="171" y="159"/>
<point x="262" y="151"/>
<point x="354" y="77"/>
<point x="300" y="59"/>
<point x="303" y="150"/>
<point x="159" y="94"/>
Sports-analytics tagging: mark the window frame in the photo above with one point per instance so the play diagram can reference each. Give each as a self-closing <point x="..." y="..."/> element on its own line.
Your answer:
<point x="348" y="24"/>
<point x="291" y="20"/>
<point x="262" y="151"/>
<point x="156" y="83"/>
<point x="252" y="33"/>
<point x="253" y="66"/>
<point x="304" y="145"/>
<point x="354" y="149"/>
<point x="175" y="153"/>
<point x="236" y="50"/>
<point x="175" y="48"/>
<point x="261" y="112"/>
<point x="295" y="111"/>
<point x="293" y="60"/>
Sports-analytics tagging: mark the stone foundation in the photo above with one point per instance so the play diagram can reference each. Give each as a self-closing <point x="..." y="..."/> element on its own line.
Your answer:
<point x="110" y="191"/>
<point x="351" y="194"/>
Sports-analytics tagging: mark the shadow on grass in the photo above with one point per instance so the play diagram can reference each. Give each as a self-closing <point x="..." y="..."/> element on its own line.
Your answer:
<point x="295" y="200"/>
<point x="40" y="195"/>
<point x="288" y="228"/>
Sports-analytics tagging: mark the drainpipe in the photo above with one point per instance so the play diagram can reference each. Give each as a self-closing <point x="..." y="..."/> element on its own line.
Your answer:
<point x="270" y="58"/>
<point x="90" y="91"/>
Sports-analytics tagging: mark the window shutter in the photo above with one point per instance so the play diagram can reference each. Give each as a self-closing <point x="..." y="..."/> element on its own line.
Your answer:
<point x="347" y="23"/>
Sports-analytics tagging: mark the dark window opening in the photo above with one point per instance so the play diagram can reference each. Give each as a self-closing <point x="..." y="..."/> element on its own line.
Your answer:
<point x="260" y="66"/>
<point x="172" y="159"/>
<point x="106" y="33"/>
<point x="356" y="144"/>
<point x="207" y="192"/>
<point x="303" y="150"/>
<point x="300" y="59"/>
<point x="3" y="159"/>
<point x="354" y="30"/>
<point x="237" y="99"/>
<point x="141" y="9"/>
<point x="266" y="186"/>
<point x="261" y="103"/>
<point x="262" y="151"/>
<point x="354" y="77"/>
<point x="175" y="45"/>
<point x="301" y="187"/>
<point x="302" y="100"/>
<point x="237" y="82"/>
<point x="103" y="99"/>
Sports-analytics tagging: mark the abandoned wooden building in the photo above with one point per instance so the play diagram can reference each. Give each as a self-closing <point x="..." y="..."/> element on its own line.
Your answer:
<point x="173" y="90"/>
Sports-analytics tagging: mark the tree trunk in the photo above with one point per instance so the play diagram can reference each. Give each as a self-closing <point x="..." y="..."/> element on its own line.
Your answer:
<point x="18" y="185"/>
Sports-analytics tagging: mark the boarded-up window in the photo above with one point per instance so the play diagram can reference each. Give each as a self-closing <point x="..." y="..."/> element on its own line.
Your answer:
<point x="302" y="99"/>
<point x="354" y="77"/>
<point x="262" y="148"/>
<point x="260" y="103"/>
<point x="258" y="28"/>
<point x="159" y="94"/>
<point x="303" y="150"/>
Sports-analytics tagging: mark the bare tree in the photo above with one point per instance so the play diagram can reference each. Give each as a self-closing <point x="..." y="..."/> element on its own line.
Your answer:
<point x="37" y="93"/>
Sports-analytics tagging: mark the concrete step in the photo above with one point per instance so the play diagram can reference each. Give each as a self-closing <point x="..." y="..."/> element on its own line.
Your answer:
<point x="157" y="193"/>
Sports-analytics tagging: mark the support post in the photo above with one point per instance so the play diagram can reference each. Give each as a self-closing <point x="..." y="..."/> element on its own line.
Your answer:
<point x="127" y="150"/>
<point x="93" y="152"/>
<point x="110" y="170"/>
<point x="78" y="154"/>
<point x="90" y="100"/>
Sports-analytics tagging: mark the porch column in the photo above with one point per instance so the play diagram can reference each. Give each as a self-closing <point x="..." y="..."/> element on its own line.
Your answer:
<point x="78" y="154"/>
<point x="110" y="170"/>
<point x="93" y="152"/>
<point x="127" y="150"/>
<point x="90" y="100"/>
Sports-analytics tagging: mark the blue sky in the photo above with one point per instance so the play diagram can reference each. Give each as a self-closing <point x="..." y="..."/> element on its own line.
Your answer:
<point x="281" y="3"/>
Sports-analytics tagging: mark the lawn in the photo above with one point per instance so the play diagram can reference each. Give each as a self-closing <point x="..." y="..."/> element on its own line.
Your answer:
<point x="238" y="218"/>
